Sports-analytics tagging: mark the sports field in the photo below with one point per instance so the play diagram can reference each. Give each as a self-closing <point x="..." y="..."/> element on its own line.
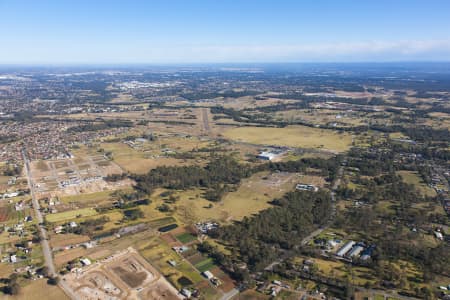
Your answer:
<point x="292" y="136"/>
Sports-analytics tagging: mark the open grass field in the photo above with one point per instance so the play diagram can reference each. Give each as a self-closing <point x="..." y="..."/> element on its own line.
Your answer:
<point x="397" y="135"/>
<point x="338" y="269"/>
<point x="252" y="196"/>
<point x="137" y="161"/>
<point x="42" y="166"/>
<point x="414" y="179"/>
<point x="321" y="117"/>
<point x="97" y="197"/>
<point x="292" y="136"/>
<point x="64" y="257"/>
<point x="4" y="180"/>
<point x="6" y="270"/>
<point x="38" y="289"/>
<point x="61" y="240"/>
<point x="71" y="214"/>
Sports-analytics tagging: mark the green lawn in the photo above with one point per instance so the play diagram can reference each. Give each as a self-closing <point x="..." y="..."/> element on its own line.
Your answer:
<point x="205" y="265"/>
<point x="186" y="238"/>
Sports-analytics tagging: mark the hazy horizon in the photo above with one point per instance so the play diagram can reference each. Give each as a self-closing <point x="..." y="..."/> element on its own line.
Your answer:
<point x="198" y="32"/>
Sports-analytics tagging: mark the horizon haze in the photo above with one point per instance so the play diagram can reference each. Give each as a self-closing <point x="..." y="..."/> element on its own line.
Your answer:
<point x="174" y="32"/>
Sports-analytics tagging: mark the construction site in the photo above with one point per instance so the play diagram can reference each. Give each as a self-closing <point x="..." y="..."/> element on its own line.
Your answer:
<point x="125" y="275"/>
<point x="73" y="176"/>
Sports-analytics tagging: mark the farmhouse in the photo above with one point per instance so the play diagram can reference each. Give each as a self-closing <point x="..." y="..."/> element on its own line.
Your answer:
<point x="208" y="275"/>
<point x="85" y="261"/>
<point x="270" y="154"/>
<point x="307" y="187"/>
<point x="187" y="293"/>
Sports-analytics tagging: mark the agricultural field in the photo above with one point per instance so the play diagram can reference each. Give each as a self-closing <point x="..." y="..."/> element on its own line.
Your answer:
<point x="185" y="268"/>
<point x="158" y="253"/>
<point x="292" y="136"/>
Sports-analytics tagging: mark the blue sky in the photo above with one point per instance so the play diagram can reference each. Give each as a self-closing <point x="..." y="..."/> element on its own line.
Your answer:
<point x="200" y="31"/>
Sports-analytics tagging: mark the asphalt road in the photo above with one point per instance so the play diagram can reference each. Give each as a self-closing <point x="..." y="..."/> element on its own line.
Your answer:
<point x="46" y="250"/>
<point x="44" y="237"/>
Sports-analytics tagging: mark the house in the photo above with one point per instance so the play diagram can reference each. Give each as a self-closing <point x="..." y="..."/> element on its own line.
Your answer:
<point x="277" y="282"/>
<point x="172" y="263"/>
<point x="270" y="154"/>
<point x="187" y="293"/>
<point x="58" y="229"/>
<point x="85" y="261"/>
<point x="216" y="281"/>
<point x="206" y="227"/>
<point x="89" y="245"/>
<point x="306" y="187"/>
<point x="332" y="243"/>
<point x="208" y="275"/>
<point x="265" y="155"/>
<point x="13" y="258"/>
<point x="11" y="195"/>
<point x="439" y="235"/>
<point x="73" y="224"/>
<point x="180" y="249"/>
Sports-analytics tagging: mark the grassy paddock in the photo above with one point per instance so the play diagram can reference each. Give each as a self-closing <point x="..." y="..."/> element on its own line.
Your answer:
<point x="71" y="214"/>
<point x="292" y="136"/>
<point x="414" y="179"/>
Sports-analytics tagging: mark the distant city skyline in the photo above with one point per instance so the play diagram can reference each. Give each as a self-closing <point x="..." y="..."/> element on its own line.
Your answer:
<point x="200" y="31"/>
